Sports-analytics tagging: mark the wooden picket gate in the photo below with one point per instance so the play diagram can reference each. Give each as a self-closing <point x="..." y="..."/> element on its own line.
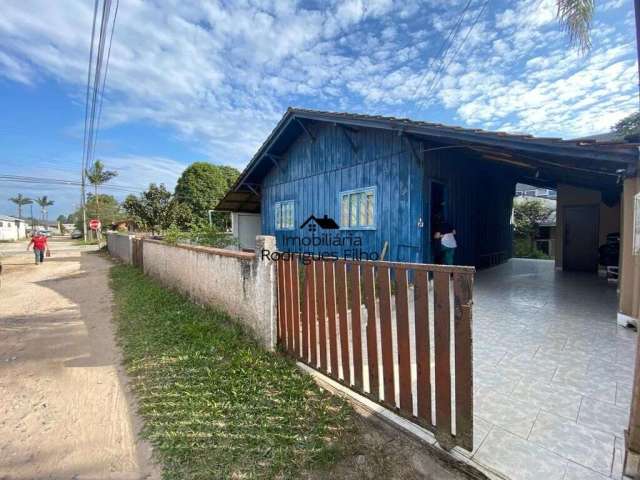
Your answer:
<point x="323" y="310"/>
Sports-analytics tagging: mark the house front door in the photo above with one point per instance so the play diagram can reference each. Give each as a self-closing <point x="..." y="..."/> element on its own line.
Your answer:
<point x="580" y="244"/>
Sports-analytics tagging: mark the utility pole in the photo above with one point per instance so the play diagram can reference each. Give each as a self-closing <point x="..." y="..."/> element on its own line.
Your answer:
<point x="83" y="206"/>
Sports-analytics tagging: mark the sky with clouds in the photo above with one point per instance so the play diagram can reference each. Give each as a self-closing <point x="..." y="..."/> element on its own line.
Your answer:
<point x="208" y="80"/>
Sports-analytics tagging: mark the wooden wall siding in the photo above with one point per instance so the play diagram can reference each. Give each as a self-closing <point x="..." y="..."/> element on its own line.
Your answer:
<point x="314" y="172"/>
<point x="390" y="343"/>
<point x="479" y="203"/>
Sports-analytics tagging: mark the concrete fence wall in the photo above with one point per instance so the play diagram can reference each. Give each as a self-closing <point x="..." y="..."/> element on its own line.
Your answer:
<point x="240" y="283"/>
<point x="120" y="246"/>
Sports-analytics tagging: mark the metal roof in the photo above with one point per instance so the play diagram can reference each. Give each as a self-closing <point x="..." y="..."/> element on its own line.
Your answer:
<point x="586" y="155"/>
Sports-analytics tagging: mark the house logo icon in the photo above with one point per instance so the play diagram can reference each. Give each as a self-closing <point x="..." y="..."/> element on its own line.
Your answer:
<point x="325" y="223"/>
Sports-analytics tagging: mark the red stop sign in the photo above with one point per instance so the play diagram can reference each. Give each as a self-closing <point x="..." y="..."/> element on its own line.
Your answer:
<point x="94" y="224"/>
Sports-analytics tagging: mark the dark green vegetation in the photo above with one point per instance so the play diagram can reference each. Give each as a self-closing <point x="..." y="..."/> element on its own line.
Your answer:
<point x="201" y="186"/>
<point x="210" y="236"/>
<point x="629" y="128"/>
<point x="156" y="209"/>
<point x="106" y="208"/>
<point x="528" y="215"/>
<point x="214" y="404"/>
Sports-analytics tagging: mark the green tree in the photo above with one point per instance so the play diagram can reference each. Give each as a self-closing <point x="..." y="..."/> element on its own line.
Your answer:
<point x="157" y="209"/>
<point x="527" y="217"/>
<point x="629" y="127"/>
<point x="110" y="210"/>
<point x="97" y="175"/>
<point x="44" y="204"/>
<point x="201" y="186"/>
<point x="20" y="201"/>
<point x="576" y="17"/>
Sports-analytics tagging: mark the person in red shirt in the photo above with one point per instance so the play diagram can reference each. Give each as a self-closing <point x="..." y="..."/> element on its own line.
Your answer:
<point x="39" y="242"/>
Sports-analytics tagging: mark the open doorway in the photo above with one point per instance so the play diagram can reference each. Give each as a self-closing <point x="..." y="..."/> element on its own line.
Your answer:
<point x="437" y="215"/>
<point x="534" y="222"/>
<point x="581" y="238"/>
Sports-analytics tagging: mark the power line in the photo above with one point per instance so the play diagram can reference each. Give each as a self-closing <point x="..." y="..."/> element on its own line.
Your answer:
<point x="96" y="88"/>
<point x="106" y="7"/>
<point x="58" y="182"/>
<point x="464" y="40"/>
<point x="86" y="121"/>
<point x="447" y="42"/>
<point x="106" y="71"/>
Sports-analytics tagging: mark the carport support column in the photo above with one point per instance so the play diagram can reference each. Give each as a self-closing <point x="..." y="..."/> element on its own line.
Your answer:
<point x="629" y="307"/>
<point x="266" y="273"/>
<point x="629" y="264"/>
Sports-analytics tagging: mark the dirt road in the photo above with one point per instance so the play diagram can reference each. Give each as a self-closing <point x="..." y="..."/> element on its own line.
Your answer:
<point x="64" y="408"/>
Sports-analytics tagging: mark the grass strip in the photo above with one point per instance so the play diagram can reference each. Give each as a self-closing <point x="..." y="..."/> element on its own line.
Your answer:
<point x="215" y="404"/>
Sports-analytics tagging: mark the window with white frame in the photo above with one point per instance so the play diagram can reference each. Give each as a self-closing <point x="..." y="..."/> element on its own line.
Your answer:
<point x="357" y="208"/>
<point x="285" y="215"/>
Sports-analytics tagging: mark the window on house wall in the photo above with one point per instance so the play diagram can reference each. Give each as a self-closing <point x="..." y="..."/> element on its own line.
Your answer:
<point x="357" y="208"/>
<point x="285" y="215"/>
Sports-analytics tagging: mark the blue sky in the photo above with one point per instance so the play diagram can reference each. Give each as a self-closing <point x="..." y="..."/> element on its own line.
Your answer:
<point x="207" y="81"/>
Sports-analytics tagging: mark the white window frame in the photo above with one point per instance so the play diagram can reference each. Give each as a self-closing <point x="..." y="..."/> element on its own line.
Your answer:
<point x="351" y="195"/>
<point x="289" y="224"/>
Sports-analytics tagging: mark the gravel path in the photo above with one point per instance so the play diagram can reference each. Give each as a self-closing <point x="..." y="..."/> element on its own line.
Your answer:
<point x="65" y="412"/>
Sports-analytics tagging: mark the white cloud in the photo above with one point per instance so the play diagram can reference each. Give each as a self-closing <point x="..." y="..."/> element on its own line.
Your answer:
<point x="220" y="74"/>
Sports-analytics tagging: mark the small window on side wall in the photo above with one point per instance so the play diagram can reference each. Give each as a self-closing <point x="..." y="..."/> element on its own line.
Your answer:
<point x="357" y="209"/>
<point x="285" y="215"/>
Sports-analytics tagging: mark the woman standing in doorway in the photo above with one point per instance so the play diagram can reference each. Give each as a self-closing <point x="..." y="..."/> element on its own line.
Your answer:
<point x="447" y="236"/>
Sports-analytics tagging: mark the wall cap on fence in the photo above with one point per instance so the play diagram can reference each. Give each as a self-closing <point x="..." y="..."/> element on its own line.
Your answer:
<point x="199" y="248"/>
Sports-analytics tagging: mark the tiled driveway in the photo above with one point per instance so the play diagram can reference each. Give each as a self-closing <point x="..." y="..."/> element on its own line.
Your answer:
<point x="552" y="372"/>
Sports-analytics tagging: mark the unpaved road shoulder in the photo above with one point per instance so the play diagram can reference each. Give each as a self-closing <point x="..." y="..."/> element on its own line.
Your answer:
<point x="65" y="411"/>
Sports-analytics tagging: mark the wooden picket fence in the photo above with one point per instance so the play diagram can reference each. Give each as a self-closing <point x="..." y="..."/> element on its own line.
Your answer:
<point x="422" y="318"/>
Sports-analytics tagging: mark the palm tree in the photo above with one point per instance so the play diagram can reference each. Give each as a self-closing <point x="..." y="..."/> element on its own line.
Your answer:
<point x="44" y="203"/>
<point x="575" y="16"/>
<point x="21" y="200"/>
<point x="97" y="175"/>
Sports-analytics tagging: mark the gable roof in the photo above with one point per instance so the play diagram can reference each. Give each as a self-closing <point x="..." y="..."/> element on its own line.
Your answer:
<point x="587" y="155"/>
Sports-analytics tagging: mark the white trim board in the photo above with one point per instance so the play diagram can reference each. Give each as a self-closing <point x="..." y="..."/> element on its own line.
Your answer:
<point x="397" y="421"/>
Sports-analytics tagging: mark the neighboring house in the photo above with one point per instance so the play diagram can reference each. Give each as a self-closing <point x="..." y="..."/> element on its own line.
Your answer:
<point x="523" y="190"/>
<point x="12" y="228"/>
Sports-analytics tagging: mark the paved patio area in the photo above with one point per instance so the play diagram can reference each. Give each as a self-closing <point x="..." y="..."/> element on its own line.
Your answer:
<point x="553" y="373"/>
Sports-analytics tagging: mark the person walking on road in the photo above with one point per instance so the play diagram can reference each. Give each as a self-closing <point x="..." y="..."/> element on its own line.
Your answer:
<point x="39" y="242"/>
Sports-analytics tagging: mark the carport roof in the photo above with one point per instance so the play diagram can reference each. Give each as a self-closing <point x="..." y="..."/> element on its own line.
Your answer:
<point x="544" y="161"/>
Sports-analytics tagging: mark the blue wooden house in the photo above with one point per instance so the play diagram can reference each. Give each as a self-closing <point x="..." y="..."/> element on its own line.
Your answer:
<point x="386" y="183"/>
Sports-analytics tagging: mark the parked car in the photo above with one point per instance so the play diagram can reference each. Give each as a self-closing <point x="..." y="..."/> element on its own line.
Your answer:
<point x="76" y="234"/>
<point x="46" y="233"/>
